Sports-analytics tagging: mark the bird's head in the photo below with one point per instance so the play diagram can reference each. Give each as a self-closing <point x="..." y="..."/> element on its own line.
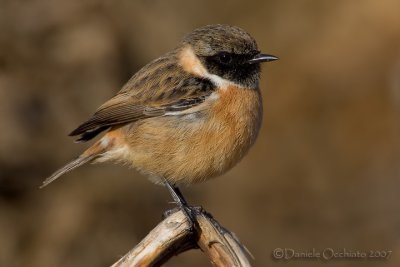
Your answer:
<point x="225" y="53"/>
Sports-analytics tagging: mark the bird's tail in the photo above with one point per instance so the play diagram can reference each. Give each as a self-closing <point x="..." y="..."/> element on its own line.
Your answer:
<point x="93" y="152"/>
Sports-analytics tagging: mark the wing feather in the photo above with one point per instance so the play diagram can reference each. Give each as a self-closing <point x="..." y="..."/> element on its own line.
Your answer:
<point x="157" y="88"/>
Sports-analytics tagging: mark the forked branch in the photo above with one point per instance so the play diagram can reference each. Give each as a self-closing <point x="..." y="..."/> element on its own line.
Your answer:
<point x="174" y="235"/>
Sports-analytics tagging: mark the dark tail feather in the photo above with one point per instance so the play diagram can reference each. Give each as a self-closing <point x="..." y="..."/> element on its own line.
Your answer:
<point x="86" y="136"/>
<point x="67" y="168"/>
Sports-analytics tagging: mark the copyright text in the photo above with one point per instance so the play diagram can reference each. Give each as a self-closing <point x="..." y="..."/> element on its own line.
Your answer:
<point x="328" y="254"/>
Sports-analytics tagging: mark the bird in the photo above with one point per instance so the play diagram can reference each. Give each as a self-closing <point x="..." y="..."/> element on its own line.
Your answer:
<point x="186" y="117"/>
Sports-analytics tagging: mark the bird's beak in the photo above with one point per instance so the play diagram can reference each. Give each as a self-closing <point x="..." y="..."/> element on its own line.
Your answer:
<point x="262" y="58"/>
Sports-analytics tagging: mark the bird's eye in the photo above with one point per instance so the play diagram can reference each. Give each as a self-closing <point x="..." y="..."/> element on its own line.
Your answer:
<point x="225" y="58"/>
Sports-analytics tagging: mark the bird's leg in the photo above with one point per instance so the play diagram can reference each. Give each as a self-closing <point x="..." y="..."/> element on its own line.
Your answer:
<point x="181" y="202"/>
<point x="190" y="212"/>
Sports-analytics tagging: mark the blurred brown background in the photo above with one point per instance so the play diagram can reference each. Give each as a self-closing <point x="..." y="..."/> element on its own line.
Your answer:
<point x="323" y="173"/>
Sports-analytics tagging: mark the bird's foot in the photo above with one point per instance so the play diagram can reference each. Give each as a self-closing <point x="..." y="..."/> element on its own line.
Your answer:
<point x="190" y="212"/>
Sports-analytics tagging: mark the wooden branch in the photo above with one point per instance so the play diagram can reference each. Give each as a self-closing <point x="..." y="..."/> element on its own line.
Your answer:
<point x="174" y="235"/>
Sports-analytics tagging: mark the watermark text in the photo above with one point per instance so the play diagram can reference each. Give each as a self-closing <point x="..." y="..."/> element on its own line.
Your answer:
<point x="329" y="254"/>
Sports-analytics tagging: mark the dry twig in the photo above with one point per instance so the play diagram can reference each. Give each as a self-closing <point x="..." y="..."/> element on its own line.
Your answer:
<point x="174" y="235"/>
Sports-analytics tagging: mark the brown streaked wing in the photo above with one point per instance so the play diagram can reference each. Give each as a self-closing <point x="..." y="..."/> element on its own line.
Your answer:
<point x="157" y="88"/>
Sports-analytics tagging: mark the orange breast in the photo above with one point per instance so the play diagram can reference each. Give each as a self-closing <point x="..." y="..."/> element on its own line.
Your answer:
<point x="235" y="121"/>
<point x="191" y="148"/>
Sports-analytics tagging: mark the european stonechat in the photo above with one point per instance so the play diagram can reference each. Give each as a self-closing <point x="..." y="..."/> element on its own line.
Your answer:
<point x="185" y="117"/>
